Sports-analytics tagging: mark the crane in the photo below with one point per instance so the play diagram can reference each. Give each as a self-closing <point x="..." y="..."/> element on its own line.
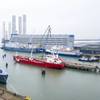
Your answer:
<point x="44" y="39"/>
<point x="45" y="36"/>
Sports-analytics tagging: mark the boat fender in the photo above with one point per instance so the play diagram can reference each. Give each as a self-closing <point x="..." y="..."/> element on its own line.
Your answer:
<point x="27" y="98"/>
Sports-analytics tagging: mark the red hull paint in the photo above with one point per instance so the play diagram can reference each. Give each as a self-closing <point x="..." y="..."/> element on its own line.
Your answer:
<point x="36" y="62"/>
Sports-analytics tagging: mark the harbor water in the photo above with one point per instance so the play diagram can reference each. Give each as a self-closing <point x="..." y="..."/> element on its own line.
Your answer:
<point x="64" y="84"/>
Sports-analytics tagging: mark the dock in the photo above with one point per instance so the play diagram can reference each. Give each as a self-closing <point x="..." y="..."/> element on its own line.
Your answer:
<point x="7" y="95"/>
<point x="83" y="67"/>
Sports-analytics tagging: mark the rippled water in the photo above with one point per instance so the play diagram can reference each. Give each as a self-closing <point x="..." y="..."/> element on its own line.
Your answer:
<point x="55" y="85"/>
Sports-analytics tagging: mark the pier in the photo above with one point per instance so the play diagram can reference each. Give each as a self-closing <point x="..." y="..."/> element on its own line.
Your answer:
<point x="7" y="95"/>
<point x="83" y="67"/>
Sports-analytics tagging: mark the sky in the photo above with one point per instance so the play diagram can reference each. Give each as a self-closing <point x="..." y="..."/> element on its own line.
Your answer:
<point x="78" y="17"/>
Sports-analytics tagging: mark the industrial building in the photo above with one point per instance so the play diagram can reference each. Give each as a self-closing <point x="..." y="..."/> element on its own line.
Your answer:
<point x="91" y="49"/>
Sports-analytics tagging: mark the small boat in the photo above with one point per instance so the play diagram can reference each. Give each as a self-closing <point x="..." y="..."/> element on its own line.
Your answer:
<point x="49" y="61"/>
<point x="88" y="59"/>
<point x="3" y="76"/>
<point x="66" y="53"/>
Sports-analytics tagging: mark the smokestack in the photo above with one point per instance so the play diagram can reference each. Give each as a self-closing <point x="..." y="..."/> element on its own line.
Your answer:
<point x="24" y="24"/>
<point x="13" y="24"/>
<point x="4" y="31"/>
<point x="9" y="29"/>
<point x="20" y="25"/>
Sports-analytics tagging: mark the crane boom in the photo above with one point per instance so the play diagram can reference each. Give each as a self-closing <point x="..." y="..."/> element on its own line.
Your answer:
<point x="45" y="36"/>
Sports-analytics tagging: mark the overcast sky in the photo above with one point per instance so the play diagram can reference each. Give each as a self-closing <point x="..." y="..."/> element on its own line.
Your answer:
<point x="79" y="17"/>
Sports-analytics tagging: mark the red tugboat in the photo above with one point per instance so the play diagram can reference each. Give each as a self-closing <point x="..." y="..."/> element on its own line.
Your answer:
<point x="50" y="61"/>
<point x="47" y="61"/>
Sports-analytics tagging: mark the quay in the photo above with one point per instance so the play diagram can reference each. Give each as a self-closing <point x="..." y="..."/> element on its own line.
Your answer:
<point x="7" y="95"/>
<point x="83" y="67"/>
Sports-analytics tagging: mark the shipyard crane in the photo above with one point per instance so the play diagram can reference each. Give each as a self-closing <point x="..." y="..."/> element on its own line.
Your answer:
<point x="45" y="37"/>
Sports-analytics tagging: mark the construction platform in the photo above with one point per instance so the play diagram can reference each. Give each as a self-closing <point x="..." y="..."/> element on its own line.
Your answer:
<point x="84" y="67"/>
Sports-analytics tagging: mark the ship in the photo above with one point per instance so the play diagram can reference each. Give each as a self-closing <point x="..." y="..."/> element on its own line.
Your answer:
<point x="3" y="76"/>
<point x="10" y="46"/>
<point x="27" y="42"/>
<point x="26" y="50"/>
<point x="49" y="61"/>
<point x="73" y="53"/>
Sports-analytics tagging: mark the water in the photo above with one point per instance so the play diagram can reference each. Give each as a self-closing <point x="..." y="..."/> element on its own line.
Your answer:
<point x="55" y="85"/>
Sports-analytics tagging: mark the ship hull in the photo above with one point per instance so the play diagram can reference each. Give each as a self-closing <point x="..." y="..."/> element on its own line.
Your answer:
<point x="3" y="79"/>
<point x="27" y="50"/>
<point x="3" y="76"/>
<point x="36" y="62"/>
